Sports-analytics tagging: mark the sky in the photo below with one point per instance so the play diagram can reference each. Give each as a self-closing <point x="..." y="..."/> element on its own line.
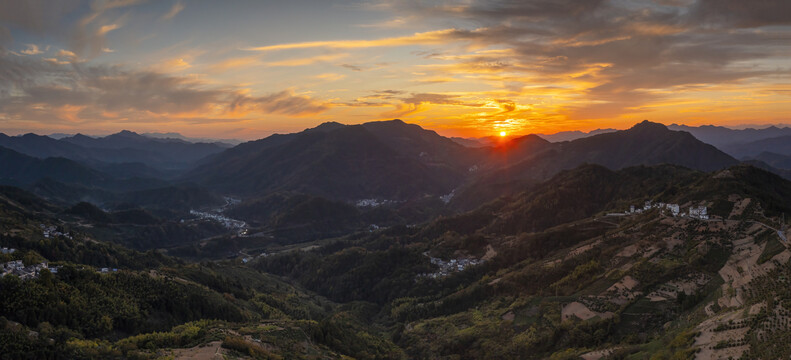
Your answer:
<point x="247" y="69"/>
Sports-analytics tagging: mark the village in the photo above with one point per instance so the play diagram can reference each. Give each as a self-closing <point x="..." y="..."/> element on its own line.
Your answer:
<point x="372" y="202"/>
<point x="52" y="231"/>
<point x="450" y="266"/>
<point x="232" y="224"/>
<point x="695" y="212"/>
<point x="18" y="268"/>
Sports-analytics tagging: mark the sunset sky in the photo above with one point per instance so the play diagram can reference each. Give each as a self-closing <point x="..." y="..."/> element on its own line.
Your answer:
<point x="247" y="69"/>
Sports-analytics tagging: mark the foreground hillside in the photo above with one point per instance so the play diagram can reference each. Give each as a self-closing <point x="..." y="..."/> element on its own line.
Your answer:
<point x="66" y="294"/>
<point x="564" y="270"/>
<point x="579" y="282"/>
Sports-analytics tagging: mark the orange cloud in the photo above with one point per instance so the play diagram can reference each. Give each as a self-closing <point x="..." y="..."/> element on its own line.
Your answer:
<point x="235" y="63"/>
<point x="306" y="61"/>
<point x="431" y="37"/>
<point x="175" y="10"/>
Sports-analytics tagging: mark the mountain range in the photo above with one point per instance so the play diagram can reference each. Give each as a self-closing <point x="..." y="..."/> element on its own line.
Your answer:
<point x="385" y="161"/>
<point x="385" y="240"/>
<point x="396" y="161"/>
<point x="723" y="137"/>
<point x="573" y="135"/>
<point x="122" y="147"/>
<point x="390" y="160"/>
<point x="780" y="145"/>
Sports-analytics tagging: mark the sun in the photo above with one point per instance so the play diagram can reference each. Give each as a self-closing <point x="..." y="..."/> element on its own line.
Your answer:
<point x="502" y="133"/>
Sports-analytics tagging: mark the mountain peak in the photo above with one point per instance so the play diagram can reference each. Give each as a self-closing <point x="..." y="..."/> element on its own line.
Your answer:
<point x="529" y="138"/>
<point x="127" y="133"/>
<point x="327" y="126"/>
<point x="646" y="125"/>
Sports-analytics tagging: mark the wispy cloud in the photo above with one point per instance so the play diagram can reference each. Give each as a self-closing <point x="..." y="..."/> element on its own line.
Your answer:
<point x="330" y="76"/>
<point x="31" y="49"/>
<point x="177" y="7"/>
<point x="52" y="91"/>
<point x="431" y="37"/>
<point x="307" y="60"/>
<point x="284" y="102"/>
<point x="396" y="22"/>
<point x="235" y="63"/>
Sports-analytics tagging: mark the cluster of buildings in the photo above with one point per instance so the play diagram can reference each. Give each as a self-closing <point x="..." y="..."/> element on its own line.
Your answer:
<point x="695" y="212"/>
<point x="448" y="197"/>
<point x="238" y="225"/>
<point x="52" y="231"/>
<point x="372" y="202"/>
<point x="450" y="266"/>
<point x="698" y="212"/>
<point x="19" y="269"/>
<point x="673" y="208"/>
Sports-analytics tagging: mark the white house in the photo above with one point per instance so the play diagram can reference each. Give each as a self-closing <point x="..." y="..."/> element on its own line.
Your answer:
<point x="698" y="212"/>
<point x="674" y="209"/>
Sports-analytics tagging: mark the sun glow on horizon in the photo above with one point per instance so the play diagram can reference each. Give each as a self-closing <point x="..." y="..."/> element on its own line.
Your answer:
<point x="503" y="133"/>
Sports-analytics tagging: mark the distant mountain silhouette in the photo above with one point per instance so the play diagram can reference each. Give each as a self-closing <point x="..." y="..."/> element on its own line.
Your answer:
<point x="43" y="147"/>
<point x="374" y="160"/>
<point x="431" y="148"/>
<point x="646" y="143"/>
<point x="468" y="142"/>
<point x="523" y="146"/>
<point x="395" y="160"/>
<point x="723" y="137"/>
<point x="555" y="137"/>
<point x="573" y="135"/>
<point x="20" y="169"/>
<point x="779" y="145"/>
<point x="123" y="147"/>
<point x="175" y="135"/>
<point x="66" y="181"/>
<point x="167" y="152"/>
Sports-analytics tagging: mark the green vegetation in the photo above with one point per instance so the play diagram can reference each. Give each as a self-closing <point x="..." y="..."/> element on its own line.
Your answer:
<point x="772" y="248"/>
<point x="553" y="278"/>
